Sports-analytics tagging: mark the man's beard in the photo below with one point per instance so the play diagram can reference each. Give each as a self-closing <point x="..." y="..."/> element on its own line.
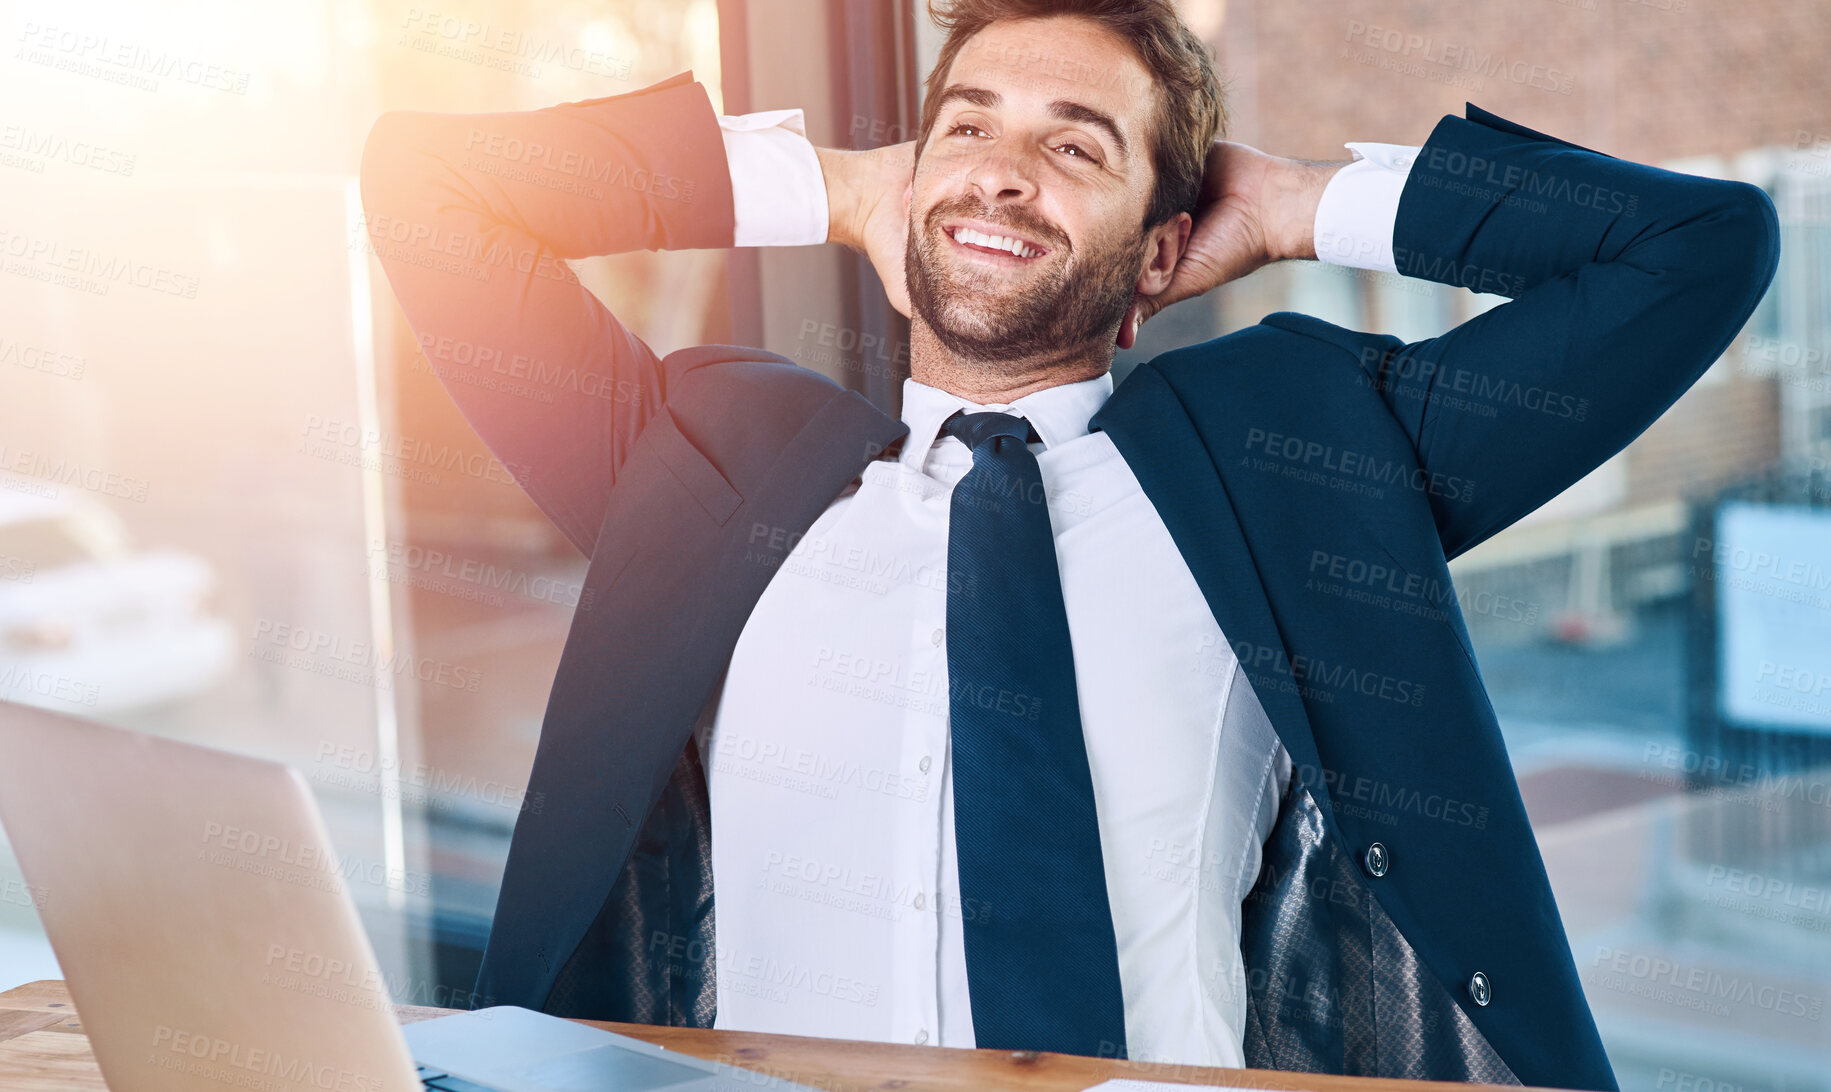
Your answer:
<point x="986" y="317"/>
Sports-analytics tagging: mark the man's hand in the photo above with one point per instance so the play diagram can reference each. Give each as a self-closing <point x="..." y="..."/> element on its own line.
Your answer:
<point x="1254" y="209"/>
<point x="868" y="209"/>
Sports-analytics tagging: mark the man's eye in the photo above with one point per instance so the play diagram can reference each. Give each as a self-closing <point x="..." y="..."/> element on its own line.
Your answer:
<point x="1084" y="154"/>
<point x="1077" y="151"/>
<point x="966" y="130"/>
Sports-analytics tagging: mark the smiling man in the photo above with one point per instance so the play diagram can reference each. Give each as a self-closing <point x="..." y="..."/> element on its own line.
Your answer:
<point x="1135" y="722"/>
<point x="1023" y="263"/>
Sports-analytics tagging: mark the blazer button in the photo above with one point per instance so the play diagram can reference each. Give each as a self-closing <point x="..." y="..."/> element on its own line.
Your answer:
<point x="1479" y="990"/>
<point x="1377" y="860"/>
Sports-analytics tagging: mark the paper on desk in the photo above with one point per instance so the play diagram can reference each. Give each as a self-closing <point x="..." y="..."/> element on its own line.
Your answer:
<point x="1127" y="1085"/>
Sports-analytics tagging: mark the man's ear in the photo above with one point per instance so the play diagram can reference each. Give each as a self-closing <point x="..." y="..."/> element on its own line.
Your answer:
<point x="1164" y="246"/>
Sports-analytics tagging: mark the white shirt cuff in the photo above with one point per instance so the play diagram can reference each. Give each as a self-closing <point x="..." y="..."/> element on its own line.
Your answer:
<point x="778" y="195"/>
<point x="1359" y="206"/>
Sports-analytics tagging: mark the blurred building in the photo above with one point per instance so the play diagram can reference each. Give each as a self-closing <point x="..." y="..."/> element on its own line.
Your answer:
<point x="1737" y="91"/>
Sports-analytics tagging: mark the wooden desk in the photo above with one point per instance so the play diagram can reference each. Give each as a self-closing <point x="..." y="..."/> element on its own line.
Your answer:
<point x="43" y="1049"/>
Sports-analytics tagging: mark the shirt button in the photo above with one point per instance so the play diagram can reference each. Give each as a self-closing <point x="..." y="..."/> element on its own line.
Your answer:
<point x="936" y="639"/>
<point x="921" y="1037"/>
<point x="1402" y="161"/>
<point x="925" y="763"/>
<point x="1377" y="860"/>
<point x="920" y="900"/>
<point x="1479" y="990"/>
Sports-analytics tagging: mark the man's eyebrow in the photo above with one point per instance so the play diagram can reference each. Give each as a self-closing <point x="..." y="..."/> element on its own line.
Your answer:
<point x="1065" y="109"/>
<point x="1069" y="110"/>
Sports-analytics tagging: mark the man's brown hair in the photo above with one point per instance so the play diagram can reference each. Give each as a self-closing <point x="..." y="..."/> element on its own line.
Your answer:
<point x="1190" y="109"/>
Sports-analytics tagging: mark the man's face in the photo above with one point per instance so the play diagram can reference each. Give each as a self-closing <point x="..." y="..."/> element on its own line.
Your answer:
<point x="1026" y="212"/>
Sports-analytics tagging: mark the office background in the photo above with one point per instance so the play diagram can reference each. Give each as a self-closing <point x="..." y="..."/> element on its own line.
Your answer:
<point x="237" y="508"/>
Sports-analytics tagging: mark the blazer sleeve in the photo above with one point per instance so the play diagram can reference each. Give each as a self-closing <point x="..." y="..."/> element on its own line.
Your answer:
<point x="1625" y="282"/>
<point x="471" y="216"/>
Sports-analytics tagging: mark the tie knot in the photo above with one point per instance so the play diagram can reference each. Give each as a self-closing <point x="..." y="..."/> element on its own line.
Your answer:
<point x="974" y="429"/>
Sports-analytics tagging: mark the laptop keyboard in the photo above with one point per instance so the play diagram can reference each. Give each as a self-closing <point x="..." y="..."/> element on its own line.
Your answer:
<point x="432" y="1078"/>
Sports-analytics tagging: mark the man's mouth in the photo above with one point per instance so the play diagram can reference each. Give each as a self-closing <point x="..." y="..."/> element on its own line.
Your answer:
<point x="1002" y="244"/>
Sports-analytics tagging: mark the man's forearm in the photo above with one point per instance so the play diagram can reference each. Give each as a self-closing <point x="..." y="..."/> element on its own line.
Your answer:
<point x="861" y="186"/>
<point x="1292" y="191"/>
<point x="837" y="169"/>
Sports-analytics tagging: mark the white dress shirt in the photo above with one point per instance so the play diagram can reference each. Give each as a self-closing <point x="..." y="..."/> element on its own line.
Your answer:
<point x="834" y="869"/>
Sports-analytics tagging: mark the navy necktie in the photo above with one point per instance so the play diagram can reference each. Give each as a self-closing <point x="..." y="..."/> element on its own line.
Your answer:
<point x="1042" y="963"/>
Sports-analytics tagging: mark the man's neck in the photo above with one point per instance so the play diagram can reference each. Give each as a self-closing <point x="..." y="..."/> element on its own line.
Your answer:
<point x="1002" y="382"/>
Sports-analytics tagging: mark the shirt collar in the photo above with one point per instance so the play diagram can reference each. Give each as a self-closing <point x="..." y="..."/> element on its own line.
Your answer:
<point x="1058" y="414"/>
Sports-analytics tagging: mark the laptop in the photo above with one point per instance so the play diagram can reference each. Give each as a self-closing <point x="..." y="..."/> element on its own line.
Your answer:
<point x="208" y="939"/>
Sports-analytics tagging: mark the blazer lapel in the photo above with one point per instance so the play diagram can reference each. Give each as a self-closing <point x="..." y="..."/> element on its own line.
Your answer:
<point x="1152" y="430"/>
<point x="682" y="558"/>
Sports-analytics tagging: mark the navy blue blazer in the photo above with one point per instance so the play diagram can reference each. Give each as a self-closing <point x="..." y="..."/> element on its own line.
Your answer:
<point x="1294" y="463"/>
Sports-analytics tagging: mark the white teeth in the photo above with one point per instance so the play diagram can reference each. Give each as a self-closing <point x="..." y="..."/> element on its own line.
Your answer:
<point x="997" y="242"/>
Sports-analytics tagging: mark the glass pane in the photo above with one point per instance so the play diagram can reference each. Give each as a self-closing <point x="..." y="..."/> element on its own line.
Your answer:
<point x="237" y="508"/>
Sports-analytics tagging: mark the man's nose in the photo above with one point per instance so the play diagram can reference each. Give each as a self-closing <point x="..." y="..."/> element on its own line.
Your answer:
<point x="1003" y="173"/>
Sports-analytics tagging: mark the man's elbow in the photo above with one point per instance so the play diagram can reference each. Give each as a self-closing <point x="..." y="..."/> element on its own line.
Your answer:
<point x="381" y="175"/>
<point x="1745" y="241"/>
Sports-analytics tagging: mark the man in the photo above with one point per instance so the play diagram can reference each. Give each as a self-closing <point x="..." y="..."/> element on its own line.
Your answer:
<point x="1047" y="716"/>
